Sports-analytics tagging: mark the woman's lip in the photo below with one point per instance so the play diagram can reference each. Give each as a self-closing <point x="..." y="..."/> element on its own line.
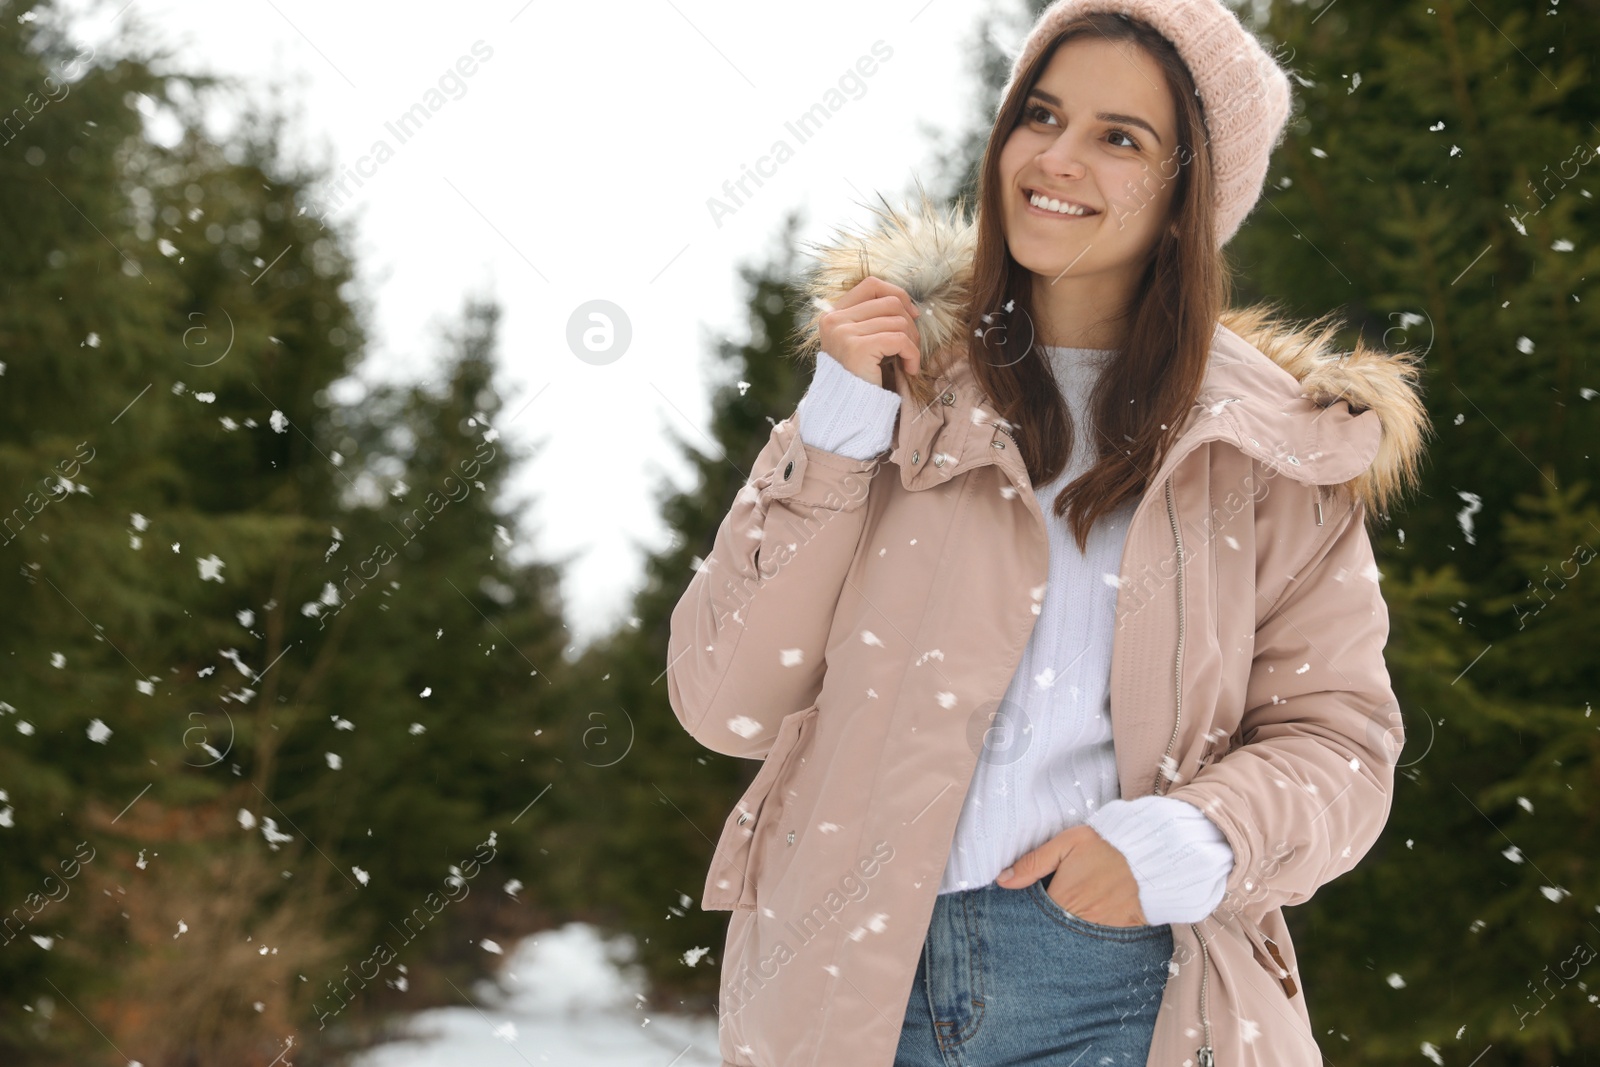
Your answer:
<point x="1027" y="202"/>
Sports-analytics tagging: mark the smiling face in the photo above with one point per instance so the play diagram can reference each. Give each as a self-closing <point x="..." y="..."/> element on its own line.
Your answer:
<point x="1089" y="176"/>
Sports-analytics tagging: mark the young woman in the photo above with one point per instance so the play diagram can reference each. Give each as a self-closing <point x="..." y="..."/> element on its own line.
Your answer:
<point x="1061" y="706"/>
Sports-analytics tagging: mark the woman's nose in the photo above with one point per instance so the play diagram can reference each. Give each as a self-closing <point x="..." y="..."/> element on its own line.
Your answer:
<point x="1064" y="156"/>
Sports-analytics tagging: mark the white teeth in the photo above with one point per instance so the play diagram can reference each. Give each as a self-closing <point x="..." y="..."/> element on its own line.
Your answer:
<point x="1055" y="205"/>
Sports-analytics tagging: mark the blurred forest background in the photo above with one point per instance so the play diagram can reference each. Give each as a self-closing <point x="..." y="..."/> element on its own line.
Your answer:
<point x="271" y="695"/>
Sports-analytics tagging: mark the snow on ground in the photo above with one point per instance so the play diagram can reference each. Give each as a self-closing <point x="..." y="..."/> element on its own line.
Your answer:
<point x="565" y="997"/>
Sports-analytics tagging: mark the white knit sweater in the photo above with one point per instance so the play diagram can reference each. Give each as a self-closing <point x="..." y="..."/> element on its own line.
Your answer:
<point x="1048" y="762"/>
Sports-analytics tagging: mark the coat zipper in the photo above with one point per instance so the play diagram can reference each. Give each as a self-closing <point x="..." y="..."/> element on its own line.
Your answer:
<point x="1177" y="667"/>
<point x="1204" y="1055"/>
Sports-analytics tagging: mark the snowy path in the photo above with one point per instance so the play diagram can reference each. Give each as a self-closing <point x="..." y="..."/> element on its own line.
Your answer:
<point x="562" y="1001"/>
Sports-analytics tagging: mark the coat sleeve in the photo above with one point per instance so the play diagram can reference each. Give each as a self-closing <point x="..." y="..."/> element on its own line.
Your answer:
<point x="747" y="638"/>
<point x="1308" y="790"/>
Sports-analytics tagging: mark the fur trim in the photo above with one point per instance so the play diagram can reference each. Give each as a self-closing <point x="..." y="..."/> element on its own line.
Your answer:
<point x="928" y="251"/>
<point x="1366" y="378"/>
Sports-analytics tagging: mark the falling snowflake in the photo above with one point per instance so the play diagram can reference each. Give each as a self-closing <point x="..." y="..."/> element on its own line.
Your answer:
<point x="876" y="924"/>
<point x="278" y="421"/>
<point x="744" y="726"/>
<point x="99" y="732"/>
<point x="491" y="946"/>
<point x="210" y="568"/>
<point x="1464" y="516"/>
<point x="333" y="760"/>
<point x="183" y="928"/>
<point x="361" y="876"/>
<point x="270" y="831"/>
<point x="57" y="660"/>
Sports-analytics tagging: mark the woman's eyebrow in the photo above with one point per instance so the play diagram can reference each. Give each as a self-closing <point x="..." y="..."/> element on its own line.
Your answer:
<point x="1104" y="116"/>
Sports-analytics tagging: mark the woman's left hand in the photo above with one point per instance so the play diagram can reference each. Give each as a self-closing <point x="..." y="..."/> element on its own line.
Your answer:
<point x="1097" y="885"/>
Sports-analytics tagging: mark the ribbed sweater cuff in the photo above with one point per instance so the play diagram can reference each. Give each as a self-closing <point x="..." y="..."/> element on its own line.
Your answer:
<point x="844" y="413"/>
<point x="1180" y="858"/>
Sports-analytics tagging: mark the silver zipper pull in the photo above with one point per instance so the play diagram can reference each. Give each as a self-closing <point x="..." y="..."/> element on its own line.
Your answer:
<point x="1205" y="1058"/>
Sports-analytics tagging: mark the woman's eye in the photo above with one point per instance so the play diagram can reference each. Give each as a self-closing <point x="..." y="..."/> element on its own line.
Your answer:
<point x="1124" y="133"/>
<point x="1038" y="113"/>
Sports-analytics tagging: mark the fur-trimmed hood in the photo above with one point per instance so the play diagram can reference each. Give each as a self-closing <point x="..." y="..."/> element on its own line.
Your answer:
<point x="1270" y="378"/>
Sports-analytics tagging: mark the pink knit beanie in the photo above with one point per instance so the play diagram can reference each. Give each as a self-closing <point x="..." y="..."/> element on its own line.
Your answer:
<point x="1244" y="94"/>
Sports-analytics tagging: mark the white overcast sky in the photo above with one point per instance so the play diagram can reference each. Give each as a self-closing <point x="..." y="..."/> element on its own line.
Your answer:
<point x="574" y="165"/>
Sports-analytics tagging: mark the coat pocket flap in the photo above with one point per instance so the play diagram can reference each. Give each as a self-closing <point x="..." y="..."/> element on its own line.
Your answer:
<point x="728" y="882"/>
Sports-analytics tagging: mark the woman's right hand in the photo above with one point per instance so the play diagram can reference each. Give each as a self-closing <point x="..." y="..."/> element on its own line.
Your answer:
<point x="873" y="322"/>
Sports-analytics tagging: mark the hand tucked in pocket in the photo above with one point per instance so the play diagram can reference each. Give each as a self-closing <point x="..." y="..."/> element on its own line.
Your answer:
<point x="1092" y="878"/>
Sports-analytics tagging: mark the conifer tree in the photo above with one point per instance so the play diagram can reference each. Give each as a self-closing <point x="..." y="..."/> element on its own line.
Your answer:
<point x="1437" y="185"/>
<point x="206" y="712"/>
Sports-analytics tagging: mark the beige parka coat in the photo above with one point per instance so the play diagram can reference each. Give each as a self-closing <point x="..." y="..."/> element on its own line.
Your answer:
<point x="856" y="624"/>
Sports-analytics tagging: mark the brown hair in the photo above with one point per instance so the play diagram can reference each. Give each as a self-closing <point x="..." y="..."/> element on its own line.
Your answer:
<point x="1142" y="399"/>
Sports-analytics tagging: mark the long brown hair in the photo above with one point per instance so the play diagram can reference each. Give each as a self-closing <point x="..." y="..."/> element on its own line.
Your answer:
<point x="1144" y="396"/>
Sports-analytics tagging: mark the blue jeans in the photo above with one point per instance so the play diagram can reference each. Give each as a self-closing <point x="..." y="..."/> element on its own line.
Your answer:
<point x="1010" y="977"/>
